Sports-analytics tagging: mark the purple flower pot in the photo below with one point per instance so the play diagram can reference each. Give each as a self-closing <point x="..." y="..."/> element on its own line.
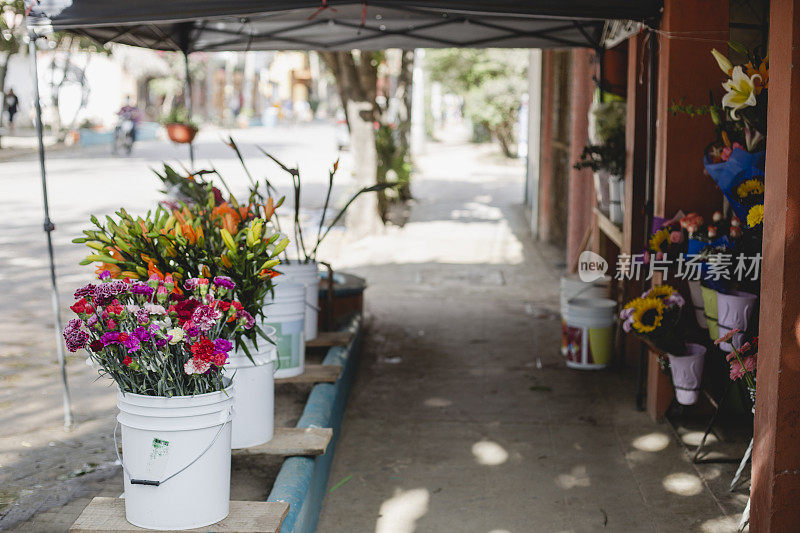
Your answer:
<point x="687" y="373"/>
<point x="733" y="312"/>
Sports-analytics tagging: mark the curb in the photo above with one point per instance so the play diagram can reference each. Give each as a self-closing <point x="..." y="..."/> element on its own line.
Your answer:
<point x="303" y="481"/>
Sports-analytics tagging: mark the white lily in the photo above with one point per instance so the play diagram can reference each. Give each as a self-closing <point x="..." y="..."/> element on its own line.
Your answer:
<point x="724" y="63"/>
<point x="740" y="91"/>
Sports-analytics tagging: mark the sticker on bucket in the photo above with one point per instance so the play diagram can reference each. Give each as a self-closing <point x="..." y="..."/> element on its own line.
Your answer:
<point x="289" y="343"/>
<point x="159" y="455"/>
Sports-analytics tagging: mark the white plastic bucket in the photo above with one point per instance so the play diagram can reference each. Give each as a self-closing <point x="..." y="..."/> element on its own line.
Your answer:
<point x="286" y="313"/>
<point x="307" y="275"/>
<point x="254" y="403"/>
<point x="616" y="211"/>
<point x="590" y="328"/>
<point x="687" y="373"/>
<point x="180" y="447"/>
<point x="573" y="287"/>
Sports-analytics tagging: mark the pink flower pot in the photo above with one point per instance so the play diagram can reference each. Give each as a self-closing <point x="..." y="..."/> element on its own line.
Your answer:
<point x="687" y="373"/>
<point x="733" y="312"/>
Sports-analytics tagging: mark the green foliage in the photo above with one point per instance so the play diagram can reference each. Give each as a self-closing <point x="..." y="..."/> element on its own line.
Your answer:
<point x="178" y="115"/>
<point x="492" y="82"/>
<point x="609" y="151"/>
<point x="391" y="156"/>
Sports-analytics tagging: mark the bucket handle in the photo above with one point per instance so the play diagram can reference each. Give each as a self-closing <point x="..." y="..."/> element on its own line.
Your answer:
<point x="155" y="483"/>
<point x="314" y="307"/>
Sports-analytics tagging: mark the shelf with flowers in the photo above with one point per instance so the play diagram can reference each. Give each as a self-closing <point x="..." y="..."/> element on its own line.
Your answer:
<point x="175" y="403"/>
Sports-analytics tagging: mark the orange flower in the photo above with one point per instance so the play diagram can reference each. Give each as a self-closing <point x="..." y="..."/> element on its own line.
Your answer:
<point x="225" y="261"/>
<point x="113" y="269"/>
<point x="269" y="209"/>
<point x="763" y="71"/>
<point x="268" y="273"/>
<point x="151" y="269"/>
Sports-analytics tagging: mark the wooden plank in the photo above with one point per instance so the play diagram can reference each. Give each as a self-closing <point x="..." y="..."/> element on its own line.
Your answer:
<point x="108" y="514"/>
<point x="293" y="441"/>
<point x="611" y="230"/>
<point x="327" y="339"/>
<point x="315" y="374"/>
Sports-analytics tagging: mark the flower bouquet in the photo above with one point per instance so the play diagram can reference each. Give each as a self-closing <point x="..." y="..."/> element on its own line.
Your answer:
<point x="743" y="361"/>
<point x="655" y="317"/>
<point x="166" y="352"/>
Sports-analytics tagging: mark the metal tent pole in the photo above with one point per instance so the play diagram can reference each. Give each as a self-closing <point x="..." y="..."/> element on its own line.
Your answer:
<point x="48" y="229"/>
<point x="188" y="102"/>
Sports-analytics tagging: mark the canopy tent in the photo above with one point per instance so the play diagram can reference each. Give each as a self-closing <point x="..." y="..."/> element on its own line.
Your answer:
<point x="222" y="25"/>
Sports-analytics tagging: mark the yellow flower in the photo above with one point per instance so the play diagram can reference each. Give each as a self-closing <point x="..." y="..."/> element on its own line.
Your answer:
<point x="740" y="91"/>
<point x="660" y="291"/>
<point x="647" y="313"/>
<point x="752" y="186"/>
<point x="658" y="238"/>
<point x="723" y="62"/>
<point x="755" y="216"/>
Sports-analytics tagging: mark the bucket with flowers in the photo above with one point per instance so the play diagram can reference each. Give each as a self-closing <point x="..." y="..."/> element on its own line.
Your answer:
<point x="655" y="317"/>
<point x="166" y="356"/>
<point x="226" y="244"/>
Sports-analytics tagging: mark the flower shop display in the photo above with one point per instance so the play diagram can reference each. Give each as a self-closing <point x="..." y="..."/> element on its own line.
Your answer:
<point x="166" y="348"/>
<point x="574" y="287"/>
<point x="656" y="318"/>
<point x="605" y="156"/>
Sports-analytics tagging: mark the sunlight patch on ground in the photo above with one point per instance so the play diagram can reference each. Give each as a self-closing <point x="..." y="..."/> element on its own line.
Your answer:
<point x="438" y="402"/>
<point x="683" y="484"/>
<point x="652" y="442"/>
<point x="477" y="210"/>
<point x="577" y="477"/>
<point x="489" y="453"/>
<point x="719" y="525"/>
<point x="693" y="438"/>
<point x="399" y="514"/>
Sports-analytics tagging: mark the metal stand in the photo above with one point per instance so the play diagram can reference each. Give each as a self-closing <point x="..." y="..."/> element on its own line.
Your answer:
<point x="48" y="229"/>
<point x="709" y="428"/>
<point x="744" y="462"/>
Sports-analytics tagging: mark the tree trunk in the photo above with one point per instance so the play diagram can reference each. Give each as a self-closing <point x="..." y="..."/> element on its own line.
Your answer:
<point x="404" y="82"/>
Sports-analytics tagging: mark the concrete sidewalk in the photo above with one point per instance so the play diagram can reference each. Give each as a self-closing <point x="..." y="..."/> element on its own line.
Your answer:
<point x="464" y="417"/>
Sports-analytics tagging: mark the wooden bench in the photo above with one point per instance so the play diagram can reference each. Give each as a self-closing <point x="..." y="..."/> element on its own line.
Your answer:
<point x="108" y="514"/>
<point x="293" y="441"/>
<point x="314" y="374"/>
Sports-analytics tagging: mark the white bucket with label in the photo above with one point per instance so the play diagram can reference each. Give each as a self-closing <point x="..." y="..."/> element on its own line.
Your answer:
<point x="306" y="274"/>
<point x="254" y="404"/>
<point x="573" y="287"/>
<point x="176" y="458"/>
<point x="590" y="332"/>
<point x="286" y="314"/>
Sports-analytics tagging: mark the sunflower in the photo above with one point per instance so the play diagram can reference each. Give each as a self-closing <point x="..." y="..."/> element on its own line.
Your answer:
<point x="659" y="240"/>
<point x="647" y="314"/>
<point x="755" y="216"/>
<point x="750" y="187"/>
<point x="660" y="291"/>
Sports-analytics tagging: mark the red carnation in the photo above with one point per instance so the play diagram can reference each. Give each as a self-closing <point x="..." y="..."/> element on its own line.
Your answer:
<point x="115" y="309"/>
<point x="96" y="345"/>
<point x="185" y="309"/>
<point x="127" y="361"/>
<point x="236" y="305"/>
<point x="82" y="306"/>
<point x="219" y="358"/>
<point x="122" y="336"/>
<point x="203" y="350"/>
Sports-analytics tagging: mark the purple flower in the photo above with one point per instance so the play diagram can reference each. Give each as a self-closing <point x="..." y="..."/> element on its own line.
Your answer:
<point x="249" y="321"/>
<point x="160" y="343"/>
<point x="142" y="334"/>
<point x="223" y="345"/>
<point x="224" y="281"/>
<point x="86" y="290"/>
<point x="131" y="343"/>
<point x="92" y="320"/>
<point x="138" y="287"/>
<point x="192" y="331"/>
<point x="153" y="327"/>
<point x="191" y="284"/>
<point x="109" y="338"/>
<point x="105" y="274"/>
<point x="75" y="337"/>
<point x="105" y="292"/>
<point x="204" y="317"/>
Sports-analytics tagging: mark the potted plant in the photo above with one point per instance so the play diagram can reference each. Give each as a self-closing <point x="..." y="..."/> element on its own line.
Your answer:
<point x="302" y="265"/>
<point x="655" y="317"/>
<point x="605" y="155"/>
<point x="179" y="126"/>
<point x="175" y="404"/>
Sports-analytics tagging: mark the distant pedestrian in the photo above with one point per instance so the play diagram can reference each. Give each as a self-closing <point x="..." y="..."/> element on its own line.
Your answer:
<point x="12" y="106"/>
